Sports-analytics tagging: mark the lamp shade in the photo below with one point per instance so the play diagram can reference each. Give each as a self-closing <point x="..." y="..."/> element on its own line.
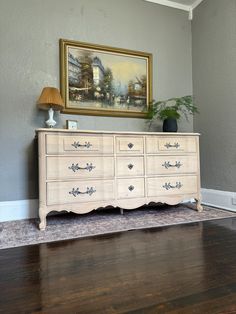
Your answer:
<point x="50" y="98"/>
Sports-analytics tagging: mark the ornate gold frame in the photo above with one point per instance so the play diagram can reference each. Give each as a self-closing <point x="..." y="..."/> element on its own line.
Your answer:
<point x="64" y="44"/>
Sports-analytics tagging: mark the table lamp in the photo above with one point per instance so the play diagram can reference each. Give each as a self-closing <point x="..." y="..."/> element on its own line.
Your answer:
<point x="50" y="99"/>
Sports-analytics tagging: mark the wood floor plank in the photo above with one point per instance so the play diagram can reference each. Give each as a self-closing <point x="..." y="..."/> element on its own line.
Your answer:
<point x="183" y="269"/>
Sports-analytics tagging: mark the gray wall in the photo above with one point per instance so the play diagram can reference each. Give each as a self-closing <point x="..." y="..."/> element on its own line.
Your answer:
<point x="214" y="86"/>
<point x="29" y="60"/>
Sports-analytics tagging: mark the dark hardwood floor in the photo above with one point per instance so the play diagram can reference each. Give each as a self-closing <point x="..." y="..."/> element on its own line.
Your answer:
<point x="182" y="269"/>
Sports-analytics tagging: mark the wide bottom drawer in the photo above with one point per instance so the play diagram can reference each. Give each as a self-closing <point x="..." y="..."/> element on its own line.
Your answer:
<point x="79" y="191"/>
<point x="172" y="185"/>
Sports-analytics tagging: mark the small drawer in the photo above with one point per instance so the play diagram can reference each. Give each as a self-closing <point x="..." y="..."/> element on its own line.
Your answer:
<point x="79" y="167"/>
<point x="129" y="145"/>
<point x="177" y="185"/>
<point x="129" y="166"/>
<point x="79" y="191"/>
<point x="158" y="164"/>
<point x="171" y="144"/>
<point x="72" y="144"/>
<point x="130" y="188"/>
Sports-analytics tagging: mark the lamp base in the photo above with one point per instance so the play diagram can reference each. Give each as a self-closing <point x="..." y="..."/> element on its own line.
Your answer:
<point x="50" y="122"/>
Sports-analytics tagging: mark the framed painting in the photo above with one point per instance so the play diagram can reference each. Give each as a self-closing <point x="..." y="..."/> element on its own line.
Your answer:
<point x="105" y="81"/>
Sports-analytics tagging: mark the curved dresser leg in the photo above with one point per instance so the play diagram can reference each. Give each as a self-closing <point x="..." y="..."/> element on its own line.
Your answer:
<point x="43" y="222"/>
<point x="198" y="205"/>
<point x="121" y="211"/>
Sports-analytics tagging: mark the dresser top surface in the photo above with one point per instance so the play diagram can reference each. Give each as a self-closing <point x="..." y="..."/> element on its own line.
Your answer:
<point x="114" y="132"/>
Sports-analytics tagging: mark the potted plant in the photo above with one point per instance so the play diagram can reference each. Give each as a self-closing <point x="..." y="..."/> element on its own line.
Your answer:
<point x="170" y="110"/>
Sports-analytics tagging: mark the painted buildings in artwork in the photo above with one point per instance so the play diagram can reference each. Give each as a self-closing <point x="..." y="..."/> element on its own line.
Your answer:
<point x="74" y="70"/>
<point x="98" y="71"/>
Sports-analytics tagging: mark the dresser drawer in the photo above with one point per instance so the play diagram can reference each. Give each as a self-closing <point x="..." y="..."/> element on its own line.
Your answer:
<point x="129" y="166"/>
<point x="175" y="185"/>
<point x="79" y="167"/>
<point x="129" y="145"/>
<point x="79" y="191"/>
<point x="171" y="144"/>
<point x="72" y="144"/>
<point x="171" y="164"/>
<point x="130" y="188"/>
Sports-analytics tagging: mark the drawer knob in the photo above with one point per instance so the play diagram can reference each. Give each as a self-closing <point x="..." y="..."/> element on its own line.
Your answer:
<point x="130" y="145"/>
<point x="77" y="144"/>
<point x="168" y="186"/>
<point x="131" y="188"/>
<point x="76" y="167"/>
<point x="175" y="145"/>
<point x="130" y="166"/>
<point x="167" y="164"/>
<point x="76" y="192"/>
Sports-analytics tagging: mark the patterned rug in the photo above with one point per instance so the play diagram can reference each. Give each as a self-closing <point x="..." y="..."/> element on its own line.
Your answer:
<point x="69" y="226"/>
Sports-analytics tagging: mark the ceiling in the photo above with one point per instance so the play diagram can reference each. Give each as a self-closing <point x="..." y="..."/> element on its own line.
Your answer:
<point x="186" y="2"/>
<point x="186" y="5"/>
<point x="179" y="4"/>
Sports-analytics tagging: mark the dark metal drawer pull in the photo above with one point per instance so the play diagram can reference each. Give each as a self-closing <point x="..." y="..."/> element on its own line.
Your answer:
<point x="130" y="166"/>
<point x="131" y="188"/>
<point x="86" y="144"/>
<point x="168" y="186"/>
<point x="76" y="192"/>
<point x="130" y="145"/>
<point x="168" y="145"/>
<point x="167" y="164"/>
<point x="76" y="167"/>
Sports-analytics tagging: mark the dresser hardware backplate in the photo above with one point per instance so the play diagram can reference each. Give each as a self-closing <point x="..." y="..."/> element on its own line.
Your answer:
<point x="76" y="167"/>
<point x="168" y="186"/>
<point x="86" y="144"/>
<point x="76" y="192"/>
<point x="131" y="188"/>
<point x="167" y="164"/>
<point x="168" y="145"/>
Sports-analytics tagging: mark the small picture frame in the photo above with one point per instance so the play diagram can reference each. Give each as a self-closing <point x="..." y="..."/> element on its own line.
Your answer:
<point x="72" y="124"/>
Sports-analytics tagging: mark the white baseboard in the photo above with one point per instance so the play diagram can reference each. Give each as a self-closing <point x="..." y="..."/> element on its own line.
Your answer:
<point x="217" y="198"/>
<point x="26" y="209"/>
<point x="16" y="210"/>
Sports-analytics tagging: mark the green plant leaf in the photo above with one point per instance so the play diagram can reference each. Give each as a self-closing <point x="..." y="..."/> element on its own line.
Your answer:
<point x="172" y="108"/>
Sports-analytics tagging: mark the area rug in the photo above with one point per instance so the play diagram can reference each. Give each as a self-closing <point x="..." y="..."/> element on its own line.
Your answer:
<point x="69" y="226"/>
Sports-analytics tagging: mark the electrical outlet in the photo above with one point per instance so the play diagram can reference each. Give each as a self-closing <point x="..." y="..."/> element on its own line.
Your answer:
<point x="233" y="200"/>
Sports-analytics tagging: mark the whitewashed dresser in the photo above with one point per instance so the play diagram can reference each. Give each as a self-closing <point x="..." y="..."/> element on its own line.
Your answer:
<point x="80" y="171"/>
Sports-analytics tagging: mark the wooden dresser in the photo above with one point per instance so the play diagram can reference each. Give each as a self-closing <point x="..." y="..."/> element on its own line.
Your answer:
<point x="80" y="171"/>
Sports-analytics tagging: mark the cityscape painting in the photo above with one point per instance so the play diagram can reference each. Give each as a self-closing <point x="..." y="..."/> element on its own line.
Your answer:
<point x="100" y="80"/>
